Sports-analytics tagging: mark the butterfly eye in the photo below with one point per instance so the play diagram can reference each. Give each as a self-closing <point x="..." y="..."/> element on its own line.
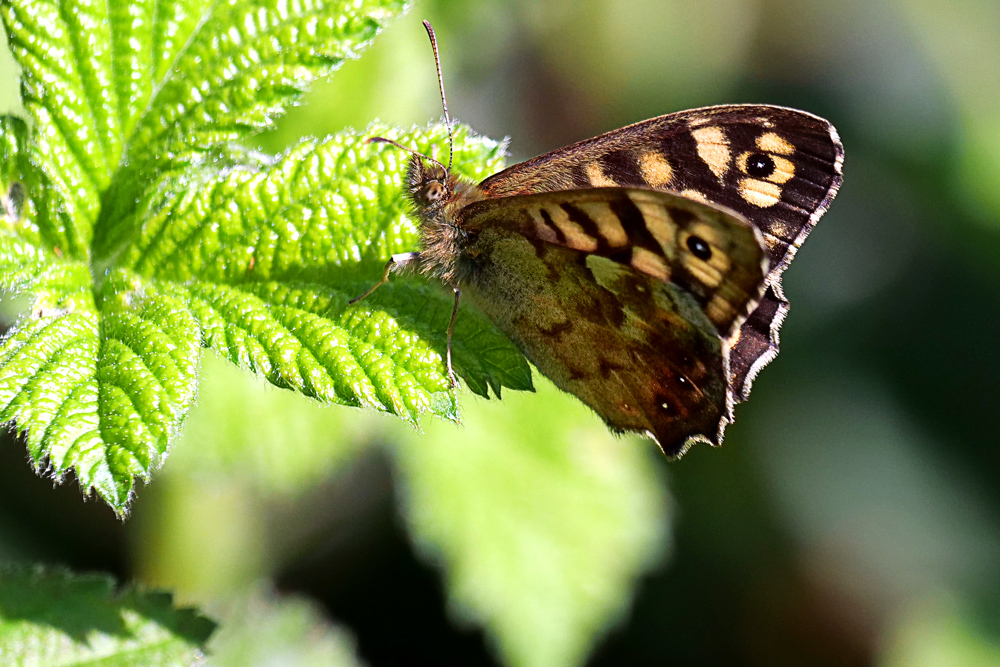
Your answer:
<point x="759" y="165"/>
<point x="434" y="191"/>
<point x="699" y="248"/>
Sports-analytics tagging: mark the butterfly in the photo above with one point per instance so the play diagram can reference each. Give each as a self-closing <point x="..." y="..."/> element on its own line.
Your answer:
<point x="639" y="270"/>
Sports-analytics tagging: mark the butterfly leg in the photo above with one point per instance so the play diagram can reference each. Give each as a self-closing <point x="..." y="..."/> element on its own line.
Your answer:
<point x="451" y="330"/>
<point x="396" y="261"/>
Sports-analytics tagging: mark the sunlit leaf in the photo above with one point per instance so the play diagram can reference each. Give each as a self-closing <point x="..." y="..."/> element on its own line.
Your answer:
<point x="140" y="234"/>
<point x="99" y="387"/>
<point x="53" y="617"/>
<point x="268" y="256"/>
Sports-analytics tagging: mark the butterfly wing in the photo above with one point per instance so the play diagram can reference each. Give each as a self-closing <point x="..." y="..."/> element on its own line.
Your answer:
<point x="622" y="297"/>
<point x="779" y="168"/>
<point x="711" y="252"/>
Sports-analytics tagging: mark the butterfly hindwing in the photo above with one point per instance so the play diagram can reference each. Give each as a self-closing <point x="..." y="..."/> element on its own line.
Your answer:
<point x="638" y="350"/>
<point x="779" y="168"/>
<point x="711" y="252"/>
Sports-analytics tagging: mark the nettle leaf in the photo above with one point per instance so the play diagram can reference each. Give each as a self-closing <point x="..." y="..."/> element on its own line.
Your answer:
<point x="269" y="256"/>
<point x="142" y="232"/>
<point x="92" y="623"/>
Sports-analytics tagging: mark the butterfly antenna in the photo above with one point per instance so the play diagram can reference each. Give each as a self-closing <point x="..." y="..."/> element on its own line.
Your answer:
<point x="383" y="140"/>
<point x="444" y="101"/>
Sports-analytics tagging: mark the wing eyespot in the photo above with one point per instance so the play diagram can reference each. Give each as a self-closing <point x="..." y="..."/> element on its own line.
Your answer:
<point x="699" y="248"/>
<point x="759" y="165"/>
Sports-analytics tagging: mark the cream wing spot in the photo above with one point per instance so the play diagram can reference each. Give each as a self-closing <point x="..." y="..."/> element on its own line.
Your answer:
<point x="718" y="260"/>
<point x="713" y="148"/>
<point x="735" y="338"/>
<point x="608" y="225"/>
<point x="695" y="195"/>
<point x="650" y="263"/>
<point x="574" y="235"/>
<point x="760" y="193"/>
<point x="784" y="170"/>
<point x="720" y="310"/>
<point x="775" y="143"/>
<point x="545" y="231"/>
<point x="597" y="177"/>
<point x="655" y="169"/>
<point x="704" y="273"/>
<point x="658" y="222"/>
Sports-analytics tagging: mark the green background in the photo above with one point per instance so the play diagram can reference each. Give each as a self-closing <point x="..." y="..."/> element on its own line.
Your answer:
<point x="853" y="515"/>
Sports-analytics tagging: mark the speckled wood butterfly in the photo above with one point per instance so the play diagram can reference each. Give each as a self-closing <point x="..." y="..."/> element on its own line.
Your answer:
<point x="639" y="270"/>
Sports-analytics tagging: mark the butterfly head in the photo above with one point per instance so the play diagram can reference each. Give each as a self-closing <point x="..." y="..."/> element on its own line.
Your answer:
<point x="430" y="186"/>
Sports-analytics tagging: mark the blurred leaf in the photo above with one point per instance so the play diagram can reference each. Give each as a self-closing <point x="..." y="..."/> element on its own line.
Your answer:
<point x="50" y="616"/>
<point x="934" y="633"/>
<point x="262" y="629"/>
<point x="278" y="441"/>
<point x="657" y="51"/>
<point x="540" y="518"/>
<point x="960" y="37"/>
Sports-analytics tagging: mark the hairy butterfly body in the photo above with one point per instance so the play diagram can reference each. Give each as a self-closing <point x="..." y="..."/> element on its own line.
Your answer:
<point x="639" y="270"/>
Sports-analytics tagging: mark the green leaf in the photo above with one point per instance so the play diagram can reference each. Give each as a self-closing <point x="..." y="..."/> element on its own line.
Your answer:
<point x="99" y="387"/>
<point x="50" y="616"/>
<point x="276" y="443"/>
<point x="938" y="631"/>
<point x="268" y="256"/>
<point x="141" y="232"/>
<point x="133" y="83"/>
<point x="32" y="231"/>
<point x="540" y="518"/>
<point x="128" y="103"/>
<point x="263" y="629"/>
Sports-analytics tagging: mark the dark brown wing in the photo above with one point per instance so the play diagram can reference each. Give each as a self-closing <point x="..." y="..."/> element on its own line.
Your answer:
<point x="638" y="350"/>
<point x="780" y="168"/>
<point x="711" y="252"/>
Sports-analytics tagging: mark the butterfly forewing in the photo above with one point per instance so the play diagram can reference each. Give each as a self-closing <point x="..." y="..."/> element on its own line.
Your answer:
<point x="776" y="166"/>
<point x="780" y="168"/>
<point x="713" y="253"/>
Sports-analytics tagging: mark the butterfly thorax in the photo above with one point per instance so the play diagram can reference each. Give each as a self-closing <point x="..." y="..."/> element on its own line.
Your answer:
<point x="437" y="197"/>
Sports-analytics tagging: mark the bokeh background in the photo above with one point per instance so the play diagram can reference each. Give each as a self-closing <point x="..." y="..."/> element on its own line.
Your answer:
<point x="852" y="517"/>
